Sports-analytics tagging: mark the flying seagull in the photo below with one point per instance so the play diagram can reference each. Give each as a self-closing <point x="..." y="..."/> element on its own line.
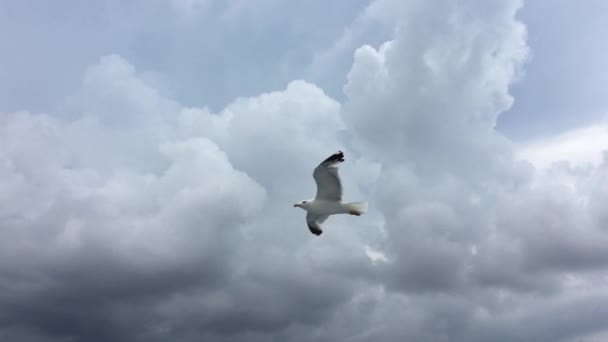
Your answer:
<point x="328" y="200"/>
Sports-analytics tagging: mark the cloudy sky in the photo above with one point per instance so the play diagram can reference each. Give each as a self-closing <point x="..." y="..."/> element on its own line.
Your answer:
<point x="151" y="151"/>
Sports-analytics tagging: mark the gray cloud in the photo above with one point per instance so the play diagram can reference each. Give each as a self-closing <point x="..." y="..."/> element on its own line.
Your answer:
<point x="461" y="213"/>
<point x="128" y="215"/>
<point x="132" y="216"/>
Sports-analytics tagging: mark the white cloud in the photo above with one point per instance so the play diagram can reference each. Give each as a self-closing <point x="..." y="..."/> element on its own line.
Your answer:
<point x="158" y="220"/>
<point x="146" y="191"/>
<point x="579" y="147"/>
<point x="436" y="91"/>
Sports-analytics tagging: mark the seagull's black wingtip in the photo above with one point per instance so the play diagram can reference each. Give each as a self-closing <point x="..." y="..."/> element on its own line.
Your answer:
<point x="336" y="157"/>
<point x="316" y="231"/>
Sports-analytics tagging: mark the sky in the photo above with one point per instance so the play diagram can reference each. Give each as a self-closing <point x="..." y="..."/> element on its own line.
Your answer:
<point x="151" y="152"/>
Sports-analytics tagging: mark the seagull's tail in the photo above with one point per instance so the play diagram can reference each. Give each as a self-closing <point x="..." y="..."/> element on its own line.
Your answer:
<point x="356" y="208"/>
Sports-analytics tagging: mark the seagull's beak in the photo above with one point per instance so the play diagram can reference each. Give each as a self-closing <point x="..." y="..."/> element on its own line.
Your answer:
<point x="295" y="205"/>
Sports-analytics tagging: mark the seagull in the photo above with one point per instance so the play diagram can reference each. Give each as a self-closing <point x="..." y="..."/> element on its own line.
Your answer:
<point x="328" y="200"/>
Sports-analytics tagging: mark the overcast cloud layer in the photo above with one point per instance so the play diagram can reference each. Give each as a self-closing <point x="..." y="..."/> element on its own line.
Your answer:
<point x="130" y="214"/>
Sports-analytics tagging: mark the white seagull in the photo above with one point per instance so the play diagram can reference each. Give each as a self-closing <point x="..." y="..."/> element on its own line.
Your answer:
<point x="328" y="200"/>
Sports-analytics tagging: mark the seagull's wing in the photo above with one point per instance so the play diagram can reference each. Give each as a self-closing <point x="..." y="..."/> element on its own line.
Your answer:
<point x="327" y="178"/>
<point x="314" y="223"/>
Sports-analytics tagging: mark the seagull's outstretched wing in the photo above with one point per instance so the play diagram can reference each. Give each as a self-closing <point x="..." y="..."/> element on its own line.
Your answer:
<point x="327" y="178"/>
<point x="314" y="223"/>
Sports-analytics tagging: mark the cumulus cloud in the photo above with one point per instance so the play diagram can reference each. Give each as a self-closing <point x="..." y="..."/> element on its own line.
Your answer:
<point x="579" y="147"/>
<point x="138" y="211"/>
<point x="130" y="216"/>
<point x="463" y="214"/>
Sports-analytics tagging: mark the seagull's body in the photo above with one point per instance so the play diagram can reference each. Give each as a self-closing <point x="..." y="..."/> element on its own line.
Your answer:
<point x="328" y="200"/>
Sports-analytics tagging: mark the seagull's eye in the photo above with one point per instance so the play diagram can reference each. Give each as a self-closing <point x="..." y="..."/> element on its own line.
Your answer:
<point x="303" y="201"/>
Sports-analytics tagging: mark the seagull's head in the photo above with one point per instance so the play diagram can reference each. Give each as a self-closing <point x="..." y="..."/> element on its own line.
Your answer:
<point x="302" y="204"/>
